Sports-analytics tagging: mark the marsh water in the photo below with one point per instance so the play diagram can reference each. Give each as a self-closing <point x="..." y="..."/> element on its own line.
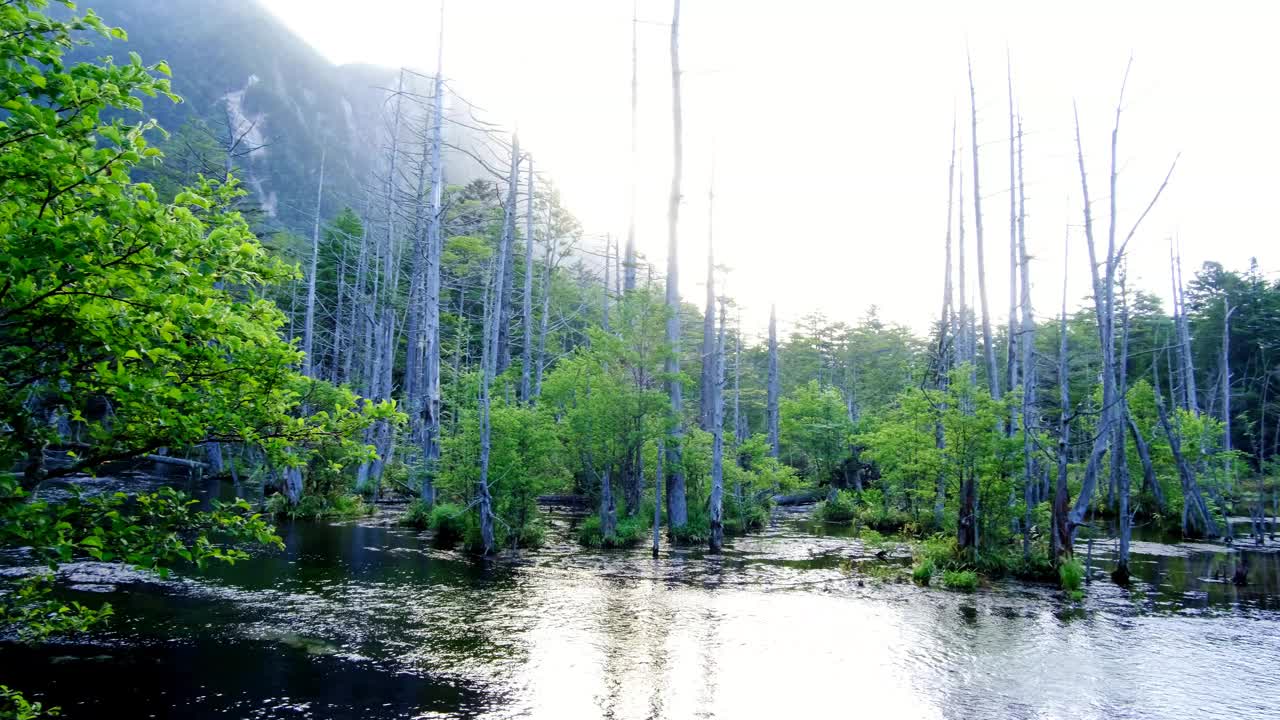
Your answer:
<point x="365" y="619"/>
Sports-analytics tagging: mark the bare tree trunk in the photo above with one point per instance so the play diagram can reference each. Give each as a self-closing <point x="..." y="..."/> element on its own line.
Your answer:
<point x="677" y="510"/>
<point x="739" y="429"/>
<point x="527" y="336"/>
<point x="503" y="348"/>
<point x="335" y="362"/>
<point x="988" y="349"/>
<point x="1026" y="341"/>
<point x="717" y="443"/>
<point x="608" y="508"/>
<point x="431" y="400"/>
<point x="1227" y="312"/>
<point x="543" y="322"/>
<point x="415" y="320"/>
<point x="493" y="315"/>
<point x="775" y="388"/>
<point x="705" y="410"/>
<point x="604" y="290"/>
<point x="946" y="336"/>
<point x="1062" y="531"/>
<point x="630" y="263"/>
<point x="1184" y="342"/>
<point x="657" y="496"/>
<point x="1011" y="354"/>
<point x="308" y="326"/>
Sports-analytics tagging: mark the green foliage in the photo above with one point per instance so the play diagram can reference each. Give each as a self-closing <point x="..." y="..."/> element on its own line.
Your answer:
<point x="961" y="580"/>
<point x="152" y="531"/>
<point x="320" y="507"/>
<point x="815" y="431"/>
<point x="695" y="532"/>
<point x="525" y="461"/>
<point x="1071" y="575"/>
<point x="744" y="515"/>
<point x="630" y="531"/>
<point x="13" y="706"/>
<point x="116" y="298"/>
<point x="922" y="571"/>
<point x="449" y="522"/>
<point x="842" y="508"/>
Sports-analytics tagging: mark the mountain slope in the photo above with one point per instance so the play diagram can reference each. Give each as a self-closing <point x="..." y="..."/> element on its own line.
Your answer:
<point x="242" y="72"/>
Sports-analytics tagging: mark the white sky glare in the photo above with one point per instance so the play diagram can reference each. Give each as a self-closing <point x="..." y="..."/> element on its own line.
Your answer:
<point x="830" y="124"/>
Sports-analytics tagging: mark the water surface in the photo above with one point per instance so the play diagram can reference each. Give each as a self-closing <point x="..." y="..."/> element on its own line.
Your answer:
<point x="368" y="620"/>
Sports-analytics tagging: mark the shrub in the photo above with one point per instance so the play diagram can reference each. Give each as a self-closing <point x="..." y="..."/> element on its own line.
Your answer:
<point x="883" y="520"/>
<point x="922" y="572"/>
<point x="941" y="551"/>
<point x="416" y="514"/>
<point x="841" y="508"/>
<point x="872" y="538"/>
<point x="962" y="580"/>
<point x="629" y="532"/>
<point x="449" y="522"/>
<point x="1071" y="575"/>
<point x="319" y="507"/>
<point x="454" y="521"/>
<point x="694" y="532"/>
<point x="742" y="516"/>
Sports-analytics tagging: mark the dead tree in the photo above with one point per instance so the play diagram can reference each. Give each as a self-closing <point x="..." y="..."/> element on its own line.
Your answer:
<point x="629" y="265"/>
<point x="717" y="442"/>
<point x="946" y="335"/>
<point x="430" y="386"/>
<point x="677" y="510"/>
<point x="775" y="388"/>
<point x="988" y="348"/>
<point x="708" y="323"/>
<point x="527" y="336"/>
<point x="503" y="348"/>
<point x="308" y="325"/>
<point x="1026" y="342"/>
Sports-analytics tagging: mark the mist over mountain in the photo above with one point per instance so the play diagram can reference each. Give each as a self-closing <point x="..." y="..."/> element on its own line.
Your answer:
<point x="243" y="74"/>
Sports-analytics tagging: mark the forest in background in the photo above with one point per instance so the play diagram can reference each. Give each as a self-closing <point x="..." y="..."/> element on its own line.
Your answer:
<point x="470" y="347"/>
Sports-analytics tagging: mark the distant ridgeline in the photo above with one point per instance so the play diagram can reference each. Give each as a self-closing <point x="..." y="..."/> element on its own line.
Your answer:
<point x="250" y="83"/>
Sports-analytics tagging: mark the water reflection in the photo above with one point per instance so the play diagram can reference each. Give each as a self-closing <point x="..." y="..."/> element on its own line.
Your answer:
<point x="362" y="619"/>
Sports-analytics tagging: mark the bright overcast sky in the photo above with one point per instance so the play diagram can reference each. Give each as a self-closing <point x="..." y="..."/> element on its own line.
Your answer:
<point x="830" y="125"/>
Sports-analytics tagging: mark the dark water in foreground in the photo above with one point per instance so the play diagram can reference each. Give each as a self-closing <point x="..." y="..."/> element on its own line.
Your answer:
<point x="363" y="620"/>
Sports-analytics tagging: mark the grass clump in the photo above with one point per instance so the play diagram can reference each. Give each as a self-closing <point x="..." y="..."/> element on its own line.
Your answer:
<point x="962" y="580"/>
<point x="922" y="572"/>
<point x="629" y="532"/>
<point x="1071" y="576"/>
<point x="841" y="508"/>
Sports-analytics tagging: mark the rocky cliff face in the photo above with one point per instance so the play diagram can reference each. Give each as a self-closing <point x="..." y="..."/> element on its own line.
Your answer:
<point x="250" y="82"/>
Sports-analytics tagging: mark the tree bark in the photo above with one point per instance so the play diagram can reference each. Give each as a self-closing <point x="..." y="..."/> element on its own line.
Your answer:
<point x="527" y="336"/>
<point x="308" y="326"/>
<point x="774" y="389"/>
<point x="431" y="400"/>
<point x="503" y="348"/>
<point x="705" y="409"/>
<point x="629" y="266"/>
<point x="717" y="443"/>
<point x="988" y="348"/>
<point x="677" y="511"/>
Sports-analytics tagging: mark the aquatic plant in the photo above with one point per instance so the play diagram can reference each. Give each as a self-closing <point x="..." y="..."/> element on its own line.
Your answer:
<point x="962" y="580"/>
